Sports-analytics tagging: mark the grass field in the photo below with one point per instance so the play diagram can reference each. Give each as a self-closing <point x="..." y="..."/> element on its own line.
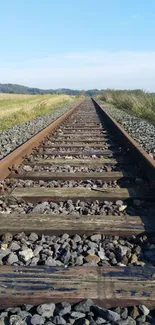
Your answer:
<point x="137" y="102"/>
<point x="20" y="108"/>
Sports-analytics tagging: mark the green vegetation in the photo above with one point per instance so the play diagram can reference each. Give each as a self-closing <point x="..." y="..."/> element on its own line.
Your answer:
<point x="16" y="109"/>
<point x="18" y="89"/>
<point x="137" y="102"/>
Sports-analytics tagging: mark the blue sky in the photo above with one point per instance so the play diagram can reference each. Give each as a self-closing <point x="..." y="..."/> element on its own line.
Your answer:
<point x="78" y="44"/>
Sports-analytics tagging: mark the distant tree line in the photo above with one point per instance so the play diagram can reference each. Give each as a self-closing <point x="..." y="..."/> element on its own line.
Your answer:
<point x="18" y="89"/>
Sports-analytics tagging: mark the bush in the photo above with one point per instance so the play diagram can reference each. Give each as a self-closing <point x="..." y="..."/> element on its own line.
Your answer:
<point x="137" y="101"/>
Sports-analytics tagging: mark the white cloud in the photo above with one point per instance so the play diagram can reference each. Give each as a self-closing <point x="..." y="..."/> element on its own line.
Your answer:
<point x="86" y="70"/>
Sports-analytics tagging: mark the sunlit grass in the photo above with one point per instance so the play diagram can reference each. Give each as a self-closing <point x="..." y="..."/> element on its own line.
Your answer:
<point x="19" y="108"/>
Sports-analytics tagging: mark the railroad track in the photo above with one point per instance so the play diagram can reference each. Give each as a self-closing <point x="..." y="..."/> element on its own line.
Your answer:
<point x="82" y="176"/>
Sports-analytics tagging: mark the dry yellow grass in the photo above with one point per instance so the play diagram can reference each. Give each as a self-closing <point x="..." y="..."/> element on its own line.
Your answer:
<point x="14" y="96"/>
<point x="19" y="108"/>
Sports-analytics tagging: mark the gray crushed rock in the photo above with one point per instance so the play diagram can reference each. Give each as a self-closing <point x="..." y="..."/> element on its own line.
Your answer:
<point x="78" y="208"/>
<point x="69" y="184"/>
<point x="70" y="169"/>
<point x="140" y="130"/>
<point x="82" y="313"/>
<point x="65" y="250"/>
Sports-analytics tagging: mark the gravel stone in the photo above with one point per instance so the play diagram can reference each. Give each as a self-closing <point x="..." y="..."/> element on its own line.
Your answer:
<point x="106" y="314"/>
<point x="124" y="313"/>
<point x="28" y="307"/>
<point x="144" y="310"/>
<point x="37" y="320"/>
<point x="123" y="250"/>
<point x="90" y="208"/>
<point x="39" y="208"/>
<point x="46" y="310"/>
<point x="24" y="314"/>
<point x="101" y="254"/>
<point x="14" y="246"/>
<point x="141" y="319"/>
<point x="139" y="129"/>
<point x="84" y="306"/>
<point x="26" y="254"/>
<point x="134" y="313"/>
<point x="77" y="238"/>
<point x="79" y="260"/>
<point x="122" y="208"/>
<point x="83" y="312"/>
<point x="27" y="168"/>
<point x="67" y="184"/>
<point x="7" y="237"/>
<point x="37" y="250"/>
<point x="92" y="259"/>
<point x="73" y="169"/>
<point x="14" y="310"/>
<point x="33" y="237"/>
<point x="3" y="253"/>
<point x="12" y="258"/>
<point x="96" y="238"/>
<point x="34" y="261"/>
<point x="64" y="251"/>
<point x="63" y="308"/>
<point x="16" y="320"/>
<point x="119" y="203"/>
<point x="51" y="262"/>
<point x="77" y="314"/>
<point x="3" y="314"/>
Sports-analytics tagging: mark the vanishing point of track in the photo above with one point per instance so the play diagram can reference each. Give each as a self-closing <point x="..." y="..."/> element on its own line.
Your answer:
<point x="95" y="148"/>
